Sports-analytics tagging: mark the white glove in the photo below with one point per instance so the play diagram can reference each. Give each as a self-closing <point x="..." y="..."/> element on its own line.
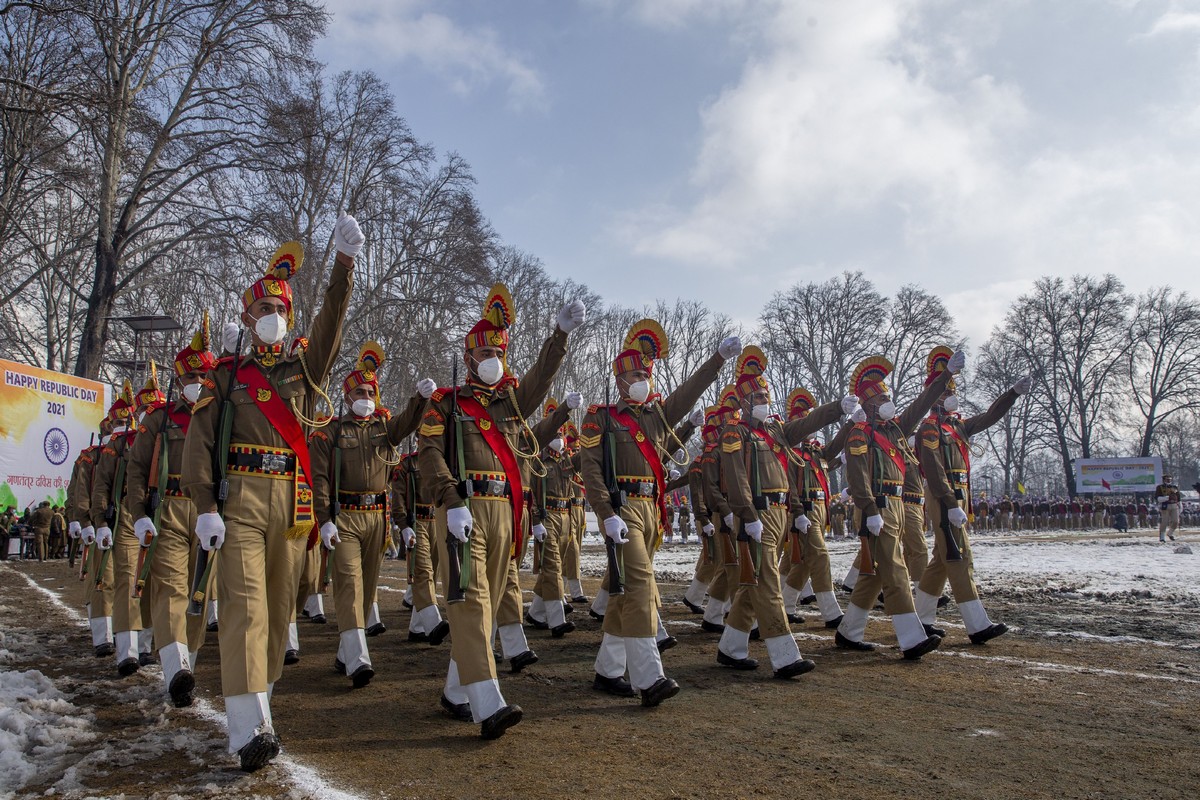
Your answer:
<point x="728" y="520"/>
<point x="144" y="529"/>
<point x="859" y="415"/>
<point x="329" y="536"/>
<point x="573" y="400"/>
<point x="425" y="387"/>
<point x="708" y="529"/>
<point x="849" y="404"/>
<point x="347" y="236"/>
<point x="673" y="474"/>
<point x="104" y="538"/>
<point x="88" y="535"/>
<point x="1023" y="385"/>
<point x="803" y="523"/>
<point x="571" y="316"/>
<point x="729" y="347"/>
<point x="229" y="337"/>
<point x="408" y="536"/>
<point x="539" y="532"/>
<point x="754" y="530"/>
<point x="957" y="362"/>
<point x="210" y="530"/>
<point x="459" y="522"/>
<point x="73" y="530"/>
<point x="845" y="495"/>
<point x="874" y="524"/>
<point x="615" y="529"/>
<point x="957" y="517"/>
<point x="696" y="418"/>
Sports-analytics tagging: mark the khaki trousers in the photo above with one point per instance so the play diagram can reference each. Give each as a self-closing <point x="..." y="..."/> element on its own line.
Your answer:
<point x="311" y="576"/>
<point x="362" y="537"/>
<point x="172" y="571"/>
<point x="890" y="573"/>
<point x="961" y="574"/>
<point x="814" y="557"/>
<point x="424" y="564"/>
<point x="722" y="585"/>
<point x="549" y="580"/>
<point x="912" y="540"/>
<point x="1168" y="521"/>
<point x="511" y="608"/>
<point x="257" y="581"/>
<point x="101" y="599"/>
<point x="489" y="551"/>
<point x="571" y="543"/>
<point x="126" y="612"/>
<point x="763" y="602"/>
<point x="634" y="614"/>
<point x="41" y="538"/>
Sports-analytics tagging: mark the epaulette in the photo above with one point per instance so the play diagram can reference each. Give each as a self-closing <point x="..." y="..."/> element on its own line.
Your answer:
<point x="141" y="428"/>
<point x="202" y="402"/>
<point x="593" y="408"/>
<point x="299" y="345"/>
<point x="931" y="438"/>
<point x="319" y="433"/>
<point x="438" y="394"/>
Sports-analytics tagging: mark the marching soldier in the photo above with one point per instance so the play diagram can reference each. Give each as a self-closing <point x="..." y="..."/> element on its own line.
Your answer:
<point x="724" y="583"/>
<point x="878" y="457"/>
<point x="1167" y="495"/>
<point x="707" y="562"/>
<point x="945" y="459"/>
<point x="756" y="453"/>
<point x="471" y="439"/>
<point x="109" y="486"/>
<point x="149" y="400"/>
<point x="414" y="516"/>
<point x="99" y="613"/>
<point x="249" y="417"/>
<point x="577" y="524"/>
<point x="351" y="460"/>
<point x="170" y="531"/>
<point x="79" y="490"/>
<point x="631" y="438"/>
<point x="40" y="520"/>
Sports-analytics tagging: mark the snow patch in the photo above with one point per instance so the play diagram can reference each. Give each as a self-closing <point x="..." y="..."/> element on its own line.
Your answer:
<point x="40" y="730"/>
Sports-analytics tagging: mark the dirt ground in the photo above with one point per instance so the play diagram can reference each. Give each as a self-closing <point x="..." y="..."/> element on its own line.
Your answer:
<point x="1029" y="715"/>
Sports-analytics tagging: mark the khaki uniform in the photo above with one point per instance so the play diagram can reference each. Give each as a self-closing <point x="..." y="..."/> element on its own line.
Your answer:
<point x="410" y="509"/>
<point x="40" y="520"/>
<point x="723" y="582"/>
<point x="948" y="481"/>
<point x="572" y="542"/>
<point x="79" y="492"/>
<point x="1168" y="517"/>
<point x="631" y="619"/>
<point x="757" y="487"/>
<point x="367" y="453"/>
<point x="173" y="565"/>
<point x="259" y="567"/>
<point x="490" y="548"/>
<point x="116" y="596"/>
<point x="552" y="495"/>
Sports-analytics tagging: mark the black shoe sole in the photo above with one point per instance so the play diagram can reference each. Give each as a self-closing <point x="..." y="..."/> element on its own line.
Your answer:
<point x="924" y="648"/>
<point x="987" y="634"/>
<point x="291" y="657"/>
<point x="439" y="633"/>
<point x="595" y="616"/>
<point x="808" y="600"/>
<point x="712" y="627"/>
<point x="849" y="644"/>
<point x="362" y="676"/>
<point x="181" y="688"/>
<point x="930" y="630"/>
<point x="943" y="601"/>
<point x="835" y="623"/>
<point x="494" y="726"/>
<point x="666" y="644"/>
<point x="104" y="650"/>
<point x="559" y="631"/>
<point x="145" y="659"/>
<point x="726" y="660"/>
<point x="795" y="619"/>
<point x="460" y="712"/>
<point x="695" y="609"/>
<point x="128" y="667"/>
<point x="533" y="623"/>
<point x="413" y="636"/>
<point x="376" y="629"/>
<point x="521" y="661"/>
<point x="617" y="687"/>
<point x="796" y="668"/>
<point x="259" y="751"/>
<point x="319" y="619"/>
<point x="663" y="689"/>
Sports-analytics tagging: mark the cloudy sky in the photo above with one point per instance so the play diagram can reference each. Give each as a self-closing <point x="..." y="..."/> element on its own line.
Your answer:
<point x="724" y="149"/>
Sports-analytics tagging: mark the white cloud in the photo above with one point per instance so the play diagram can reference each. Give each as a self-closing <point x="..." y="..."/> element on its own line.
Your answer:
<point x="370" y="34"/>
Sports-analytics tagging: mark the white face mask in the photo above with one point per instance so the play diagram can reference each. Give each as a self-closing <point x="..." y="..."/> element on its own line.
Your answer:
<point x="270" y="328"/>
<point x="191" y="392"/>
<point x="363" y="408"/>
<point x="105" y="439"/>
<point x="557" y="445"/>
<point x="950" y="403"/>
<point x="489" y="371"/>
<point x="887" y="410"/>
<point x="639" y="391"/>
<point x="761" y="412"/>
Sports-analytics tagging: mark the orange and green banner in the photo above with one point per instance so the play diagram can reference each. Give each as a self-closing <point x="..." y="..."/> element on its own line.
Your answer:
<point x="46" y="418"/>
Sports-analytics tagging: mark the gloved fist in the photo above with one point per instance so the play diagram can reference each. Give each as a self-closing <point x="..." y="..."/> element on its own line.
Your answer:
<point x="573" y="400"/>
<point x="729" y="347"/>
<point x="754" y="530"/>
<point x="845" y="495"/>
<point x="728" y="520"/>
<point x="329" y="535"/>
<point x="956" y="516"/>
<point x="104" y="537"/>
<point x="347" y="236"/>
<point x="229" y="337"/>
<point x="957" y="362"/>
<point x="849" y="404"/>
<point x="673" y="474"/>
<point x="210" y="530"/>
<point x="874" y="524"/>
<point x="708" y="529"/>
<point x="696" y="418"/>
<point x="571" y="316"/>
<point x="858" y="415"/>
<point x="459" y="522"/>
<point x="426" y="387"/>
<point x="408" y="536"/>
<point x="539" y="532"/>
<point x="88" y="535"/>
<point x="1023" y="385"/>
<point x="615" y="529"/>
<point x="73" y="530"/>
<point x="803" y="523"/>
<point x="144" y="530"/>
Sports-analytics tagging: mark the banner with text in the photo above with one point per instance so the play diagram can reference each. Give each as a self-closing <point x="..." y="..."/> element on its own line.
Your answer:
<point x="46" y="418"/>
<point x="1117" y="475"/>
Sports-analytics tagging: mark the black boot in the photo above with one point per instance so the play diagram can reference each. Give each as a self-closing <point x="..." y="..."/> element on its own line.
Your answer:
<point x="533" y="623"/>
<point x="362" y="676"/>
<point x="663" y="689"/>
<point x="798" y="667"/>
<point x="439" y="633"/>
<point x="181" y="688"/>
<point x="726" y="660"/>
<point x="928" y="646"/>
<point x="458" y="711"/>
<point x="848" y="644"/>
<point x="494" y="726"/>
<point x="559" y="631"/>
<point x="835" y="622"/>
<point x="989" y="633"/>
<point x="259" y="751"/>
<point x="291" y="657"/>
<point x="930" y="630"/>
<point x="127" y="667"/>
<point x="376" y="629"/>
<point x="522" y="660"/>
<point x="666" y="644"/>
<point x="616" y="686"/>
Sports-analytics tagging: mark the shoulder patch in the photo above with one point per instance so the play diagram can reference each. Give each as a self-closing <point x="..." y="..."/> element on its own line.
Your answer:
<point x="593" y="408"/>
<point x="202" y="402"/>
<point x="588" y="442"/>
<point x="433" y="415"/>
<point x="590" y="425"/>
<point x="430" y="429"/>
<point x="319" y="434"/>
<point x="383" y="413"/>
<point x="438" y="394"/>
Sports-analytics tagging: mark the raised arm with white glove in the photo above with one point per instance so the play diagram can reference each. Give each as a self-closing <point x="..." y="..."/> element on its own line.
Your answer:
<point x="348" y="238"/>
<point x="571" y="316"/>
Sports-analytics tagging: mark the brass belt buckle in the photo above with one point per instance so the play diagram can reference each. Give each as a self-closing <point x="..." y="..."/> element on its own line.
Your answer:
<point x="819" y="494"/>
<point x="366" y="499"/>
<point x="274" y="462"/>
<point x="645" y="488"/>
<point x="495" y="488"/>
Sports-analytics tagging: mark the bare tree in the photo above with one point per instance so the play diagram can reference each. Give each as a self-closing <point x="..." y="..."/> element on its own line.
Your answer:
<point x="917" y="321"/>
<point x="1163" y="358"/>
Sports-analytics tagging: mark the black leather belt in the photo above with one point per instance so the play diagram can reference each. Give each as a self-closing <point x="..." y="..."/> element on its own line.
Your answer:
<point x="913" y="499"/>
<point x="775" y="498"/>
<point x="638" y="488"/>
<point x="556" y="504"/>
<point x="489" y="487"/>
<point x="577" y="501"/>
<point x="892" y="491"/>
<point x="351" y="499"/>
<point x="816" y="494"/>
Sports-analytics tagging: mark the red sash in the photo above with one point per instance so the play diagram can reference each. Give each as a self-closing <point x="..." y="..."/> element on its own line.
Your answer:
<point x="650" y="454"/>
<point x="266" y="398"/>
<point x="180" y="418"/>
<point x="822" y="478"/>
<point x="889" y="447"/>
<point x="504" y="454"/>
<point x="963" y="450"/>
<point x="780" y="452"/>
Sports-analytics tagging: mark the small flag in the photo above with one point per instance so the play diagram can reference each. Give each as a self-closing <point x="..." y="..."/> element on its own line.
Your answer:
<point x="1105" y="484"/>
<point x="1020" y="488"/>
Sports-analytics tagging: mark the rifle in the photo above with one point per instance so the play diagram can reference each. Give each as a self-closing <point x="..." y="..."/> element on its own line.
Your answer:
<point x="410" y="514"/>
<point x="458" y="565"/>
<point x="953" y="553"/>
<point x="204" y="558"/>
<point x="748" y="575"/>
<point x="866" y="561"/>
<point x="159" y="469"/>
<point x="616" y="496"/>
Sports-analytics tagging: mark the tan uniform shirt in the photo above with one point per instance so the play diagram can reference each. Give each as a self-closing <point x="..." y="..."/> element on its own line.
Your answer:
<point x="871" y="468"/>
<point x="79" y="490"/>
<point x="934" y="455"/>
<point x="137" y="476"/>
<point x="1169" y="492"/>
<point x="106" y="474"/>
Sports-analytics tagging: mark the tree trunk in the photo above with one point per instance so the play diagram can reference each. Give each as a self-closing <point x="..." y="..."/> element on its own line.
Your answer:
<point x="100" y="305"/>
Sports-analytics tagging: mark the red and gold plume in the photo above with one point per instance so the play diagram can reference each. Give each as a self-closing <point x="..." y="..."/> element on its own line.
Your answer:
<point x="869" y="377"/>
<point x="285" y="263"/>
<point x="370" y="359"/>
<point x="799" y="403"/>
<point x="935" y="365"/>
<point x="645" y="343"/>
<point x="751" y="368"/>
<point x="497" y="317"/>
